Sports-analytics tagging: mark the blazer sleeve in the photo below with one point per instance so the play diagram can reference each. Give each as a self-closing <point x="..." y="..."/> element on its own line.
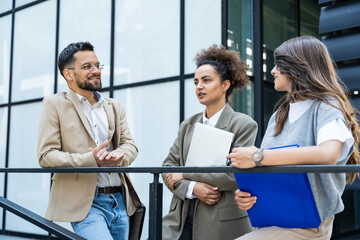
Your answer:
<point x="245" y="134"/>
<point x="126" y="142"/>
<point x="49" y="150"/>
<point x="173" y="160"/>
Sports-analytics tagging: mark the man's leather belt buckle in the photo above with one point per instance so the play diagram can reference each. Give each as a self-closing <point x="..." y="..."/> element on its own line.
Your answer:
<point x="110" y="190"/>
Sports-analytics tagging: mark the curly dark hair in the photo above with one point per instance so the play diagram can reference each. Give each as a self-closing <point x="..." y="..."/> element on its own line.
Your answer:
<point x="227" y="64"/>
<point x="66" y="56"/>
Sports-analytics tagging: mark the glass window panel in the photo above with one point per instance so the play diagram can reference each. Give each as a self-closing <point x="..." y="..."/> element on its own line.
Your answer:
<point x="153" y="118"/>
<point x="202" y="28"/>
<point x="5" y="42"/>
<point x="355" y="102"/>
<point x="28" y="190"/>
<point x="242" y="100"/>
<point x="348" y="220"/>
<point x="146" y="40"/>
<point x="271" y="97"/>
<point x="86" y="20"/>
<point x="241" y="30"/>
<point x="3" y="132"/>
<point x="5" y="5"/>
<point x="309" y="18"/>
<point x="279" y="25"/>
<point x="34" y="43"/>
<point x="61" y="84"/>
<point x="22" y="2"/>
<point x="192" y="105"/>
<point x="1" y="209"/>
<point x="105" y="94"/>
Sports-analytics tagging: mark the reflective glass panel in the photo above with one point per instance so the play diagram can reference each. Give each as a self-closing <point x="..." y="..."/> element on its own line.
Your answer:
<point x="5" y="5"/>
<point x="279" y="25"/>
<point x="5" y="42"/>
<point x="271" y="97"/>
<point x="242" y="100"/>
<point x="30" y="191"/>
<point x="34" y="44"/>
<point x="192" y="105"/>
<point x="309" y="18"/>
<point x="3" y="132"/>
<point x="22" y="2"/>
<point x="153" y="117"/>
<point x="348" y="220"/>
<point x="105" y="94"/>
<point x="202" y="28"/>
<point x="146" y="40"/>
<point x="86" y="20"/>
<point x="240" y="30"/>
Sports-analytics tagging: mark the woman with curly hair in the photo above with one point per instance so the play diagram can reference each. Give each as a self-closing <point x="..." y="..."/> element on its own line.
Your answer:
<point x="203" y="205"/>
<point x="315" y="114"/>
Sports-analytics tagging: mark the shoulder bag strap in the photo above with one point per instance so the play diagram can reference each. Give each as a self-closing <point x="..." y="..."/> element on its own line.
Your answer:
<point x="133" y="194"/>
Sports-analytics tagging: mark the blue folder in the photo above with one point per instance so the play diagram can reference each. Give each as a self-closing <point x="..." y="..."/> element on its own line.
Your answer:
<point x="283" y="199"/>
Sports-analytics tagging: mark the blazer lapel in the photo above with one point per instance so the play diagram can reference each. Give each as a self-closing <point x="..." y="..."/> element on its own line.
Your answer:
<point x="71" y="95"/>
<point x="188" y="137"/>
<point x="225" y="118"/>
<point x="109" y="110"/>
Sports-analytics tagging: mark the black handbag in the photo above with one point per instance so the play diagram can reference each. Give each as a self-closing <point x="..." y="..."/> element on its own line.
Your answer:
<point x="137" y="219"/>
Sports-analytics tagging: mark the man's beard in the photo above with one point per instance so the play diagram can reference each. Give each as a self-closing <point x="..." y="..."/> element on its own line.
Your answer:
<point x="89" y="86"/>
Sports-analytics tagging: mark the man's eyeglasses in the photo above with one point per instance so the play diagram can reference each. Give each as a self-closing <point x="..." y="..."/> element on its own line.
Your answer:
<point x="90" y="66"/>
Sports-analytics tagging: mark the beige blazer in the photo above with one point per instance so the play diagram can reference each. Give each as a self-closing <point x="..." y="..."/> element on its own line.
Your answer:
<point x="223" y="220"/>
<point x="63" y="141"/>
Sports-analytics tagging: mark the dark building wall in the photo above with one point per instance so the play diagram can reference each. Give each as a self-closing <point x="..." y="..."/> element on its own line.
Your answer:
<point x="339" y="26"/>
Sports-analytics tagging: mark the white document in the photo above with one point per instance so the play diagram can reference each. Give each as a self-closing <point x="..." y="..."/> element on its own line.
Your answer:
<point x="209" y="147"/>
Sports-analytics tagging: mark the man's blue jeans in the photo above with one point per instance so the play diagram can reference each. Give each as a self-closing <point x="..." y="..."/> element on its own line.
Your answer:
<point x="107" y="219"/>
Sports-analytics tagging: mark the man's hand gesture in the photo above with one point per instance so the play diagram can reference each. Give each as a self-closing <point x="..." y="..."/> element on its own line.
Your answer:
<point x="104" y="158"/>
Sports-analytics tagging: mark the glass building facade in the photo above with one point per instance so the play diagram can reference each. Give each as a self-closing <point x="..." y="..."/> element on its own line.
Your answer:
<point x="147" y="48"/>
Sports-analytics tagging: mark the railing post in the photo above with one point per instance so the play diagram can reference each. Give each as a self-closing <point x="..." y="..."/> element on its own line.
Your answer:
<point x="155" y="211"/>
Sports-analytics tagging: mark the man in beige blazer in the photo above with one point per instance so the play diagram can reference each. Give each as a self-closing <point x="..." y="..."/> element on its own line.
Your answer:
<point x="80" y="128"/>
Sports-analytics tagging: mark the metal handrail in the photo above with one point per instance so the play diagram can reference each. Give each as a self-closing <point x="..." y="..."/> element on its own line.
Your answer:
<point x="155" y="197"/>
<point x="158" y="170"/>
<point x="39" y="221"/>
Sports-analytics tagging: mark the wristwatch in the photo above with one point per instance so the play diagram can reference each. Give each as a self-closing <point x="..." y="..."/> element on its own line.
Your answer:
<point x="258" y="156"/>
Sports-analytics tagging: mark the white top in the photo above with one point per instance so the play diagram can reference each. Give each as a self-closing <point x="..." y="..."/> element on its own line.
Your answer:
<point x="214" y="119"/>
<point x="99" y="125"/>
<point x="212" y="123"/>
<point x="334" y="130"/>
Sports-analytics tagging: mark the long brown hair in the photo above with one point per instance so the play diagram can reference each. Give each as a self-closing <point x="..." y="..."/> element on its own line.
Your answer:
<point x="307" y="64"/>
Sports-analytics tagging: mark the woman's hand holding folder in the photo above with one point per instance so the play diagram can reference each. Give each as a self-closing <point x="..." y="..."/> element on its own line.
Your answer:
<point x="244" y="200"/>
